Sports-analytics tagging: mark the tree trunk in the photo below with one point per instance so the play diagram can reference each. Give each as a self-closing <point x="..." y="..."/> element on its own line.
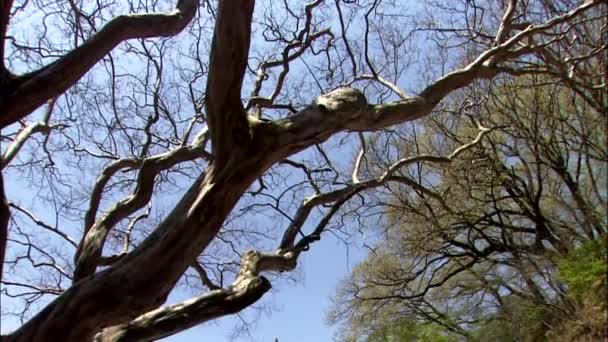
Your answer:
<point x="4" y="218"/>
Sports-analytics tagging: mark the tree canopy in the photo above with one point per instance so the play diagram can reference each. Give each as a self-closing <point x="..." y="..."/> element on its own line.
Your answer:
<point x="503" y="243"/>
<point x="208" y="145"/>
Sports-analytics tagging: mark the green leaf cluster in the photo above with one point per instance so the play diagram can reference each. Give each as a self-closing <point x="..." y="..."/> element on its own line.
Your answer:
<point x="406" y="331"/>
<point x="584" y="271"/>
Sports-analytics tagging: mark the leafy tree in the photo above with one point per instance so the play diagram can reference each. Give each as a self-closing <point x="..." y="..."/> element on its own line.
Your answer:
<point x="585" y="269"/>
<point x="492" y="245"/>
<point x="584" y="272"/>
<point x="149" y="168"/>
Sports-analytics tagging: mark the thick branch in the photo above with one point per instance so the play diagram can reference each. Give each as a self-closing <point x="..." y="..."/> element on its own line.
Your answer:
<point x="5" y="215"/>
<point x="141" y="280"/>
<point x="505" y="24"/>
<point x="5" y="12"/>
<point x="202" y="274"/>
<point x="248" y="287"/>
<point x="226" y="116"/>
<point x="347" y="108"/>
<point x="90" y="248"/>
<point x="24" y="94"/>
<point x="348" y="191"/>
<point x="170" y="320"/>
<point x="246" y="290"/>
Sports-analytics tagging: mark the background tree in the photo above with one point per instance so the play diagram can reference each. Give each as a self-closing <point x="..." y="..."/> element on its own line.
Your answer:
<point x="149" y="167"/>
<point x="483" y="247"/>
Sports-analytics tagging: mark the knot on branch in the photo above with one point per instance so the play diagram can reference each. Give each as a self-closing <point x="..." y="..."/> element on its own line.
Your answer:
<point x="254" y="262"/>
<point x="343" y="102"/>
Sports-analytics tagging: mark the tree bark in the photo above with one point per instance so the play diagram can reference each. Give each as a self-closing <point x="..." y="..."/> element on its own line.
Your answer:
<point x="5" y="215"/>
<point x="226" y="116"/>
<point x="88" y="254"/>
<point x="142" y="280"/>
<point x="175" y="318"/>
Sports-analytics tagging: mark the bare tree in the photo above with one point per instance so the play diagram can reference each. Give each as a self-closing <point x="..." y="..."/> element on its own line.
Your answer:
<point x="144" y="121"/>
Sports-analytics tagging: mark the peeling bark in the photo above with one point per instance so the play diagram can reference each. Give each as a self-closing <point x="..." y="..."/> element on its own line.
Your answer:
<point x="175" y="318"/>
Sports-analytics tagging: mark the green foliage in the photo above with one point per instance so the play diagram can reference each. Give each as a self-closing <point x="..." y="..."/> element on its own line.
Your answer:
<point x="584" y="270"/>
<point x="405" y="331"/>
<point x="518" y="320"/>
